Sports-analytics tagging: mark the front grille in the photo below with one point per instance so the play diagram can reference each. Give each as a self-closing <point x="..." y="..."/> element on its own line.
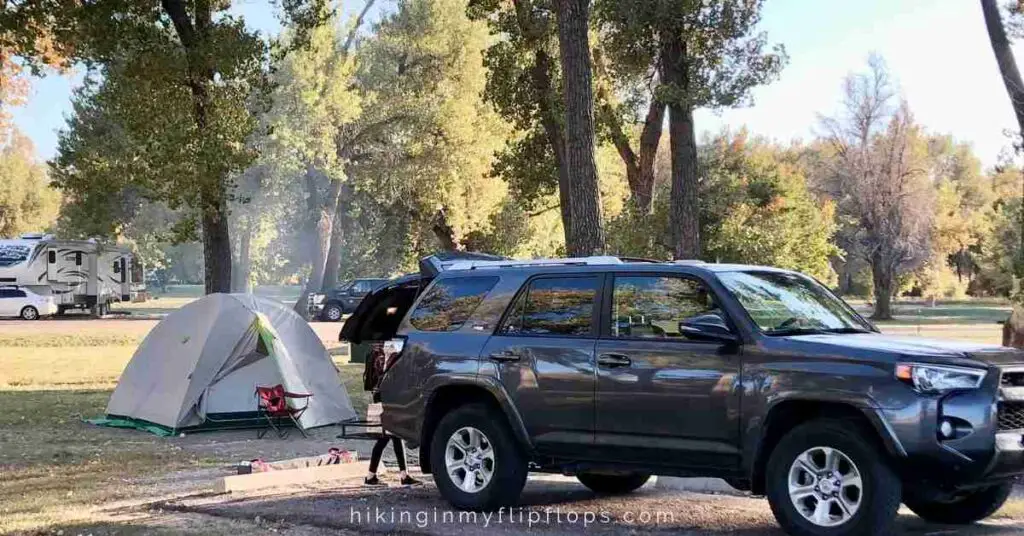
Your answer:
<point x="1012" y="379"/>
<point x="1011" y="415"/>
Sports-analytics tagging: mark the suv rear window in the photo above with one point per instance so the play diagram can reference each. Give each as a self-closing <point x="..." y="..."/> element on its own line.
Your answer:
<point x="561" y="306"/>
<point x="450" y="302"/>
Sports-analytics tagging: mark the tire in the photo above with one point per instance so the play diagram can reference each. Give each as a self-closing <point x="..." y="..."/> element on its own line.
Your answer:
<point x="61" y="310"/>
<point x="964" y="509"/>
<point x="332" y="312"/>
<point x="612" y="484"/>
<point x="869" y="508"/>
<point x="29" y="313"/>
<point x="507" y="462"/>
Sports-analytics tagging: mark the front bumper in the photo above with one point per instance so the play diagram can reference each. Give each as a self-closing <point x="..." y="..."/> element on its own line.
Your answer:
<point x="315" y="304"/>
<point x="979" y="451"/>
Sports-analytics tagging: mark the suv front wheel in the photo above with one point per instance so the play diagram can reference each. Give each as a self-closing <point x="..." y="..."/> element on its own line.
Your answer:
<point x="961" y="509"/>
<point x="826" y="477"/>
<point x="476" y="462"/>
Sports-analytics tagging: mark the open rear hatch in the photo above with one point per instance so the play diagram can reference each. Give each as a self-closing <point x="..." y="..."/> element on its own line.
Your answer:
<point x="379" y="314"/>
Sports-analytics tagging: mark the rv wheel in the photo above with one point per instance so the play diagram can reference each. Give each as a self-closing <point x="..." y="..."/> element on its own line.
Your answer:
<point x="30" y="313"/>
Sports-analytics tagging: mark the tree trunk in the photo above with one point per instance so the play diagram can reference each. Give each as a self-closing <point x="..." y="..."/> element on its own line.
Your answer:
<point x="333" y="265"/>
<point x="884" y="281"/>
<point x="216" y="249"/>
<point x="587" y="231"/>
<point x="444" y="232"/>
<point x="684" y="217"/>
<point x="639" y="167"/>
<point x="318" y="232"/>
<point x="1004" y="57"/>
<point x="541" y="75"/>
<point x="650" y="138"/>
<point x="213" y="193"/>
<point x="243" y="267"/>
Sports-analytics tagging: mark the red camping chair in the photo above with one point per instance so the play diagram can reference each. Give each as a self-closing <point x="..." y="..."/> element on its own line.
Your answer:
<point x="272" y="404"/>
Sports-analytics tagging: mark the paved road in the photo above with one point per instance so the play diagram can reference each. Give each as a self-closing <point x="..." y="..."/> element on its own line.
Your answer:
<point x="558" y="507"/>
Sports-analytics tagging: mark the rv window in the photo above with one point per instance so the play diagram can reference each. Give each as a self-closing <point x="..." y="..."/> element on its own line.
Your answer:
<point x="117" y="266"/>
<point x="78" y="258"/>
<point x="11" y="255"/>
<point x="51" y="256"/>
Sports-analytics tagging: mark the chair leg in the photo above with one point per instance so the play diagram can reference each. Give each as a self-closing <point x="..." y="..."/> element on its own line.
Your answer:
<point x="298" y="426"/>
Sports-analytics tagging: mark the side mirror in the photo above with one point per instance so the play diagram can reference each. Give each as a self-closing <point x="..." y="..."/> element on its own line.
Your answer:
<point x="707" y="328"/>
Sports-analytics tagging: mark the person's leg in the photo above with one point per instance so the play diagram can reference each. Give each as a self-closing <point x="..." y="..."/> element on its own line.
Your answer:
<point x="403" y="474"/>
<point x="375" y="455"/>
<point x="399" y="453"/>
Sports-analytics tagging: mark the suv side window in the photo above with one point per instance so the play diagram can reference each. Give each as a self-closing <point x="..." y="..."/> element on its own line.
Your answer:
<point x="450" y="303"/>
<point x="561" y="306"/>
<point x="655" y="307"/>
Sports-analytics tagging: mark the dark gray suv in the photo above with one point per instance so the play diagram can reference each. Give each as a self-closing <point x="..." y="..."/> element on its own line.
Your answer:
<point x="614" y="371"/>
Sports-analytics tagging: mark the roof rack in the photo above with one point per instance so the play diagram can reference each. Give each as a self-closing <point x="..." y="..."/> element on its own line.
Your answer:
<point x="688" y="261"/>
<point x="576" y="261"/>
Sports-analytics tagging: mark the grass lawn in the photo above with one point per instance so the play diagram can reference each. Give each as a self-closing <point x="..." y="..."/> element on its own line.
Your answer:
<point x="56" y="470"/>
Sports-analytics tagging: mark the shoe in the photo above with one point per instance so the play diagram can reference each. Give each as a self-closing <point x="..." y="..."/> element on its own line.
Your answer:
<point x="372" y="481"/>
<point x="410" y="481"/>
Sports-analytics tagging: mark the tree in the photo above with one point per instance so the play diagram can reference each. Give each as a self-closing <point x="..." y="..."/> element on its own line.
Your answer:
<point x="524" y="85"/>
<point x="586" y="236"/>
<point x="756" y="207"/>
<point x="429" y="139"/>
<point x="313" y="123"/>
<point x="27" y="203"/>
<point x="704" y="54"/>
<point x="878" y="177"/>
<point x="188" y="52"/>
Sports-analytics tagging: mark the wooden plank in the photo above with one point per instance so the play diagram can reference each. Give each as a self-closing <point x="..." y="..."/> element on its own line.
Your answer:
<point x="309" y="461"/>
<point x="291" y="477"/>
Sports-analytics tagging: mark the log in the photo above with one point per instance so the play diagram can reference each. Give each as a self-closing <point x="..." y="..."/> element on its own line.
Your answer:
<point x="291" y="477"/>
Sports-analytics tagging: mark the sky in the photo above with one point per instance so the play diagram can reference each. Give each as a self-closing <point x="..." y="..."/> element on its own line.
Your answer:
<point x="937" y="50"/>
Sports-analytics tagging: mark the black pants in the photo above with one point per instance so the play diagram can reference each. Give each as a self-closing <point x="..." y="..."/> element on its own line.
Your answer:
<point x="378" y="451"/>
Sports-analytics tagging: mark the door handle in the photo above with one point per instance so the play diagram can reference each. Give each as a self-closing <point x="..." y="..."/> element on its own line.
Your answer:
<point x="505" y="356"/>
<point x="614" y="360"/>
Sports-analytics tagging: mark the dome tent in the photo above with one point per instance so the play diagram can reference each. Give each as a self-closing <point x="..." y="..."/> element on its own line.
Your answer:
<point x="199" y="367"/>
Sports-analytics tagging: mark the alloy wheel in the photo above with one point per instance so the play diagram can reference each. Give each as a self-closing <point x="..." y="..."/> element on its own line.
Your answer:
<point x="469" y="459"/>
<point x="825" y="486"/>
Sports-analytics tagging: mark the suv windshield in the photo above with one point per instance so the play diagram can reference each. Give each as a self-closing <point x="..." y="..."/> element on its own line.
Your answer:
<point x="786" y="304"/>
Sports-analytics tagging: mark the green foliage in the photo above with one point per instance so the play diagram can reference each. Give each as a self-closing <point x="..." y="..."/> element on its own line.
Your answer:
<point x="27" y="203"/>
<point x="756" y="208"/>
<point x="725" y="58"/>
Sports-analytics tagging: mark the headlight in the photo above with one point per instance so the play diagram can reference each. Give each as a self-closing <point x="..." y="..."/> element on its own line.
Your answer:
<point x="937" y="378"/>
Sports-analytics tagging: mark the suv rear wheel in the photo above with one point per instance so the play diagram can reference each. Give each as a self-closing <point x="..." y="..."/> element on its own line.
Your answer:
<point x="613" y="484"/>
<point x="826" y="478"/>
<point x="963" y="508"/>
<point x="476" y="461"/>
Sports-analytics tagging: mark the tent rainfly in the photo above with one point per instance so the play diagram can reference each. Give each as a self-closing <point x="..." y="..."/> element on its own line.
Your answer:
<point x="199" y="368"/>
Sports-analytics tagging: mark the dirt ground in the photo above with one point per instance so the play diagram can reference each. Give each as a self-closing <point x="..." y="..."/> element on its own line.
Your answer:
<point x="549" y="505"/>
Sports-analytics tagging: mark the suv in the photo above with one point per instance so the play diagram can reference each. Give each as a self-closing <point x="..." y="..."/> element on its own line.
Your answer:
<point x="341" y="300"/>
<point x="22" y="302"/>
<point x="614" y="371"/>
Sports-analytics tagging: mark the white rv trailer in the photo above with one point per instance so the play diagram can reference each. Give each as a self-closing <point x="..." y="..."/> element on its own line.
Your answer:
<point x="83" y="274"/>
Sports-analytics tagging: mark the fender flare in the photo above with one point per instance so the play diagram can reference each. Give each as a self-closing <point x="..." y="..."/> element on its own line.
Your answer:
<point x="494" y="388"/>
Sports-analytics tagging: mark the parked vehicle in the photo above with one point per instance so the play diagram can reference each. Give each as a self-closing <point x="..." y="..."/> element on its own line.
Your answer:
<point x="25" y="304"/>
<point x="79" y="274"/>
<point x="614" y="371"/>
<point x="342" y="300"/>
